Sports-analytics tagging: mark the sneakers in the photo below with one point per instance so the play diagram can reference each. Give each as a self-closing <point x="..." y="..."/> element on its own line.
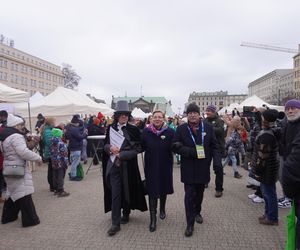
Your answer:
<point x="286" y="203"/>
<point x="252" y="196"/>
<point x="257" y="199"/>
<point x="75" y="178"/>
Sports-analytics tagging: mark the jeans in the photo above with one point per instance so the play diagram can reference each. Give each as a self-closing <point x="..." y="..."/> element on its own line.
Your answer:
<point x="83" y="150"/>
<point x="233" y="160"/>
<point x="270" y="197"/>
<point x="75" y="160"/>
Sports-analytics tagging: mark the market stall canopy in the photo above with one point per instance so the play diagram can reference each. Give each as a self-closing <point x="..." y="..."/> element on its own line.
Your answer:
<point x="37" y="96"/>
<point x="255" y="101"/>
<point x="138" y="113"/>
<point x="229" y="108"/>
<point x="11" y="95"/>
<point x="63" y="102"/>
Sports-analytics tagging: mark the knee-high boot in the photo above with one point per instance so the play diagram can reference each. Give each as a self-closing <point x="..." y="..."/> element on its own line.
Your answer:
<point x="162" y="214"/>
<point x="153" y="208"/>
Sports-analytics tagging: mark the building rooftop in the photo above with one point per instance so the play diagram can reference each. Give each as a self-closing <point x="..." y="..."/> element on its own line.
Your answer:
<point x="156" y="99"/>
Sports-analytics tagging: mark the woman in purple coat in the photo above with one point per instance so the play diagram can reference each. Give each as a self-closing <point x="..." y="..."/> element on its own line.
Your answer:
<point x="156" y="141"/>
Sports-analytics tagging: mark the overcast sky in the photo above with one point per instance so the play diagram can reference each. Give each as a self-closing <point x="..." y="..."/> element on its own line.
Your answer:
<point x="170" y="48"/>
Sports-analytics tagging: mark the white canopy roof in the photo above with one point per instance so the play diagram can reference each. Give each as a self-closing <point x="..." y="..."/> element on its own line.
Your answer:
<point x="138" y="113"/>
<point x="229" y="108"/>
<point x="37" y="96"/>
<point x="63" y="102"/>
<point x="257" y="102"/>
<point x="8" y="94"/>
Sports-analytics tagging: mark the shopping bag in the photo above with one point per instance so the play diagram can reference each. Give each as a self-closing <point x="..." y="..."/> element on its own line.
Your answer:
<point x="291" y="229"/>
<point x="80" y="172"/>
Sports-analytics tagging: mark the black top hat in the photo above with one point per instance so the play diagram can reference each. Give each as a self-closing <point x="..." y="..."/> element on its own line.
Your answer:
<point x="122" y="108"/>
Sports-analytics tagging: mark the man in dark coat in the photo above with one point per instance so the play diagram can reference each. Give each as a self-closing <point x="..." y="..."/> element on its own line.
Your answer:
<point x="214" y="119"/>
<point x="123" y="186"/>
<point x="196" y="142"/>
<point x="291" y="157"/>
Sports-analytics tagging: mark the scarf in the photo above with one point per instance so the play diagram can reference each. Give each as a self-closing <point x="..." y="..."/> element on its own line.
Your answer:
<point x="156" y="131"/>
<point x="194" y="127"/>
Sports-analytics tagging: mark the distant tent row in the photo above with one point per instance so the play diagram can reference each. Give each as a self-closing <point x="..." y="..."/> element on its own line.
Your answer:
<point x="254" y="101"/>
<point x="61" y="102"/>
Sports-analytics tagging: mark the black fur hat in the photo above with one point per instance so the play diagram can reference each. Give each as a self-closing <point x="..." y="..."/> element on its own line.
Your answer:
<point x="193" y="107"/>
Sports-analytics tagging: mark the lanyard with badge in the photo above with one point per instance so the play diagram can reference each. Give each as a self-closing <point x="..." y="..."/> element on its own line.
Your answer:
<point x="199" y="148"/>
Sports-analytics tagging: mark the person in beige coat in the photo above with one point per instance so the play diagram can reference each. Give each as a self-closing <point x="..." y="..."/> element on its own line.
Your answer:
<point x="19" y="190"/>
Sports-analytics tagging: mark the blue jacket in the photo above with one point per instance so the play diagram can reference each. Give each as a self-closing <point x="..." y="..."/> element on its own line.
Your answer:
<point x="75" y="135"/>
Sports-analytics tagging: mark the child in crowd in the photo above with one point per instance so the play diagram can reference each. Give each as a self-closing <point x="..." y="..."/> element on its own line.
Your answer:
<point x="59" y="159"/>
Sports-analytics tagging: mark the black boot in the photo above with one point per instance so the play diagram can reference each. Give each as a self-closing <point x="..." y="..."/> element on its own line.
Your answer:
<point x="162" y="214"/>
<point x="153" y="208"/>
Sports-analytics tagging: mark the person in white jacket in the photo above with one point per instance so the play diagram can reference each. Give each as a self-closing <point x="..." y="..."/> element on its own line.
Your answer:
<point x="19" y="190"/>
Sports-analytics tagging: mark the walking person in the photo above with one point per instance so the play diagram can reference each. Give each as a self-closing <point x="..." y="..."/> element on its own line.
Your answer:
<point x="291" y="157"/>
<point x="265" y="165"/>
<point x="156" y="141"/>
<point x="123" y="188"/>
<point x="195" y="141"/>
<point x="214" y="119"/>
<point x="19" y="190"/>
<point x="234" y="145"/>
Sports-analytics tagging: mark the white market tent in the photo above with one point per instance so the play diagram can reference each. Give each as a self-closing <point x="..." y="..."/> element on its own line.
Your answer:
<point x="63" y="102"/>
<point x="255" y="101"/>
<point x="37" y="96"/>
<point x="138" y="113"/>
<point x="11" y="95"/>
<point x="229" y="108"/>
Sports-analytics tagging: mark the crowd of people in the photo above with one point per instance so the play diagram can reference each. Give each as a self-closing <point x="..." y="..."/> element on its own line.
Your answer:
<point x="264" y="142"/>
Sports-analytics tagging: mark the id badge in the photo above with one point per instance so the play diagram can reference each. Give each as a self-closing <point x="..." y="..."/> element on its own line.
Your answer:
<point x="200" y="152"/>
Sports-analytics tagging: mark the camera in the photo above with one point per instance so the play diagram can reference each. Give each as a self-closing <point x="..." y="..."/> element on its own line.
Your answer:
<point x="248" y="111"/>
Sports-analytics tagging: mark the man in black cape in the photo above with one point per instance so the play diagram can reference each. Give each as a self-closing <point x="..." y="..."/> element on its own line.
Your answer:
<point x="122" y="182"/>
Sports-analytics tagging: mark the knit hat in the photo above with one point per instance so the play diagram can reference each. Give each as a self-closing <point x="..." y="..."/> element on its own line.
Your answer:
<point x="100" y="116"/>
<point x="270" y="115"/>
<point x="292" y="103"/>
<point x="211" y="108"/>
<point x="75" y="119"/>
<point x="193" y="107"/>
<point x="56" y="132"/>
<point x="13" y="120"/>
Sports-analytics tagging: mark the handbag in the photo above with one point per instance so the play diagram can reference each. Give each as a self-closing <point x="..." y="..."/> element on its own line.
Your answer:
<point x="14" y="171"/>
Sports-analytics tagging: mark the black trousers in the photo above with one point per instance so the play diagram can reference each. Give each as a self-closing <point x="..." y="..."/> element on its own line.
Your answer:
<point x="219" y="172"/>
<point x="25" y="205"/>
<point x="2" y="182"/>
<point x="193" y="201"/>
<point x="116" y="195"/>
<point x="50" y="176"/>
<point x="58" y="179"/>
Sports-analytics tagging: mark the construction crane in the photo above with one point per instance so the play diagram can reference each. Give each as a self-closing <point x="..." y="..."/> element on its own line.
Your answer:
<point x="269" y="47"/>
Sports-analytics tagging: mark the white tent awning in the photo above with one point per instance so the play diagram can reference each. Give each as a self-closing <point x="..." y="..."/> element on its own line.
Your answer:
<point x="11" y="95"/>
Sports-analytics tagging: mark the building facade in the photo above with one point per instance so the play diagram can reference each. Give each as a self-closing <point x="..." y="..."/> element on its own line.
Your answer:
<point x="27" y="72"/>
<point x="274" y="86"/>
<point x="146" y="104"/>
<point x="219" y="99"/>
<point x="297" y="73"/>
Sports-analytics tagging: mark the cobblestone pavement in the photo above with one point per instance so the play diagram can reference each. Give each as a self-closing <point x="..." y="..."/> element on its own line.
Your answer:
<point x="79" y="222"/>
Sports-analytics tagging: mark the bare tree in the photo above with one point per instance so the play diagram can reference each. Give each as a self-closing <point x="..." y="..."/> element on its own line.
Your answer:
<point x="280" y="96"/>
<point x="71" y="79"/>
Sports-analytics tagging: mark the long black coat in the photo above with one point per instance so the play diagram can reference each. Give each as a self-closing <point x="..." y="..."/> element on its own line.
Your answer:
<point x="291" y="157"/>
<point x="158" y="162"/>
<point x="132" y="187"/>
<point x="194" y="170"/>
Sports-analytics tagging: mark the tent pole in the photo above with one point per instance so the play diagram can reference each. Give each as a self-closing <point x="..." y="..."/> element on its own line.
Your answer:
<point x="30" y="128"/>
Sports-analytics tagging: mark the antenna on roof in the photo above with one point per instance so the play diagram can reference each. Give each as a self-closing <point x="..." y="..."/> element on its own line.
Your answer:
<point x="141" y="90"/>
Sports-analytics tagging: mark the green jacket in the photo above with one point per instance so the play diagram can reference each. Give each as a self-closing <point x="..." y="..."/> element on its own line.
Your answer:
<point x="46" y="137"/>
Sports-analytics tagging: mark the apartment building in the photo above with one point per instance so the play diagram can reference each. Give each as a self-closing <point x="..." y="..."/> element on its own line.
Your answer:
<point x="219" y="98"/>
<point x="26" y="72"/>
<point x="274" y="86"/>
<point x="297" y="73"/>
